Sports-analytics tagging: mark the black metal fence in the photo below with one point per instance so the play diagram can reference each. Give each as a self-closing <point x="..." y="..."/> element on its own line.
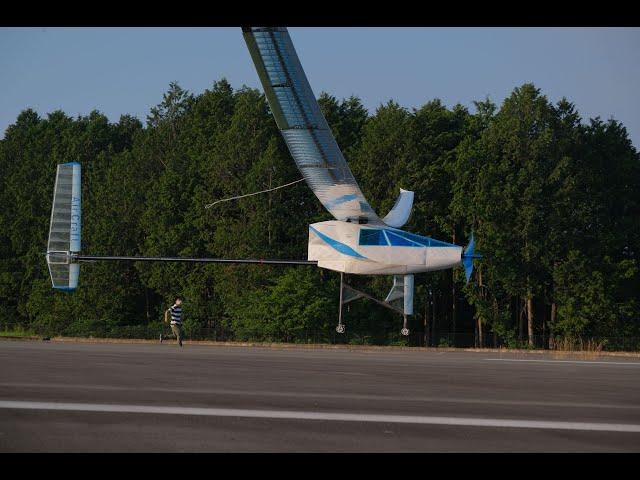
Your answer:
<point x="330" y="336"/>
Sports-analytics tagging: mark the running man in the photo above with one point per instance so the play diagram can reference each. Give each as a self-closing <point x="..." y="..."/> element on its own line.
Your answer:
<point x="176" y="320"/>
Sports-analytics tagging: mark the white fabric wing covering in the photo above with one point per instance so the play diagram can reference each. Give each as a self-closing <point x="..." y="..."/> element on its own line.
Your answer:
<point x="303" y="125"/>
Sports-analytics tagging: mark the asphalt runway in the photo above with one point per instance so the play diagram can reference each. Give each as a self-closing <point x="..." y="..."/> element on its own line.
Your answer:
<point x="82" y="397"/>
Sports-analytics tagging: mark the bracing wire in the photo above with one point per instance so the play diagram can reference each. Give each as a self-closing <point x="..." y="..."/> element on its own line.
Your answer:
<point x="254" y="193"/>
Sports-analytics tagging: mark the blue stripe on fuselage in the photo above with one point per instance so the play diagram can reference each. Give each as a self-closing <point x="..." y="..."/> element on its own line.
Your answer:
<point x="336" y="245"/>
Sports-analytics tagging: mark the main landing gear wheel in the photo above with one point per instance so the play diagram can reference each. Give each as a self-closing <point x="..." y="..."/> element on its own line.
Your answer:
<point x="340" y="329"/>
<point x="405" y="332"/>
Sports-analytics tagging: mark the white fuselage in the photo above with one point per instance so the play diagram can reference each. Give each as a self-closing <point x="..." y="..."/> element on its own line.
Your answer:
<point x="377" y="249"/>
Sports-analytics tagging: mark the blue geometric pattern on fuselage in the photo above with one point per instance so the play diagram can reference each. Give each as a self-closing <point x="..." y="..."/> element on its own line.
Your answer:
<point x="336" y="245"/>
<point x="397" y="238"/>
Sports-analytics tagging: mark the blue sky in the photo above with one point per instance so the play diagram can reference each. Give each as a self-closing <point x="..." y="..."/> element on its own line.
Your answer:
<point x="126" y="70"/>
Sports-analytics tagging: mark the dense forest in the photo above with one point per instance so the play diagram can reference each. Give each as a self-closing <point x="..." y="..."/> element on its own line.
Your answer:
<point x="553" y="199"/>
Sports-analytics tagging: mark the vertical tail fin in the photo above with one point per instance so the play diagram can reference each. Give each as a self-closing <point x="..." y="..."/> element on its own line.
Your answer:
<point x="65" y="228"/>
<point x="402" y="289"/>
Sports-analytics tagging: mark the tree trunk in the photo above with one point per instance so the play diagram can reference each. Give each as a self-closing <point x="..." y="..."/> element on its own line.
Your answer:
<point x="544" y="330"/>
<point x="520" y="322"/>
<point x="480" y="335"/>
<point x="146" y="302"/>
<point x="475" y="334"/>
<point x="552" y="322"/>
<point x="530" y="319"/>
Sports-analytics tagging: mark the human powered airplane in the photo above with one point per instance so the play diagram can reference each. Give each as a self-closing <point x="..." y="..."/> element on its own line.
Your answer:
<point x="358" y="241"/>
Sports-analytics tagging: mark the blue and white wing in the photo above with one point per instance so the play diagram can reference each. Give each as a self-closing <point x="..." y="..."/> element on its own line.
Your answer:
<point x="304" y="128"/>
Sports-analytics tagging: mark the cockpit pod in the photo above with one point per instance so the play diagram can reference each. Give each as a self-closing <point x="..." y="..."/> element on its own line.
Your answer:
<point x="377" y="249"/>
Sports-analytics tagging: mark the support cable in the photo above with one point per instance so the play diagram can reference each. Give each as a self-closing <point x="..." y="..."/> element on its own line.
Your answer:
<point x="251" y="194"/>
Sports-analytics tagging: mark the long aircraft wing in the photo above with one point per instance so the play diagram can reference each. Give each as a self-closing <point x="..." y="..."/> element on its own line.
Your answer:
<point x="303" y="126"/>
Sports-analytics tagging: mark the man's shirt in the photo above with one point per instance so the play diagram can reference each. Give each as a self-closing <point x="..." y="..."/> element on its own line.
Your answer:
<point x="176" y="314"/>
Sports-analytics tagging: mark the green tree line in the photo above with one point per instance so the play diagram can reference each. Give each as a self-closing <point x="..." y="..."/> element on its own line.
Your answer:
<point x="553" y="200"/>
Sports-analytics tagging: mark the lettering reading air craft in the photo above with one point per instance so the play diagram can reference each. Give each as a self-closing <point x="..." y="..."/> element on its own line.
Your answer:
<point x="356" y="242"/>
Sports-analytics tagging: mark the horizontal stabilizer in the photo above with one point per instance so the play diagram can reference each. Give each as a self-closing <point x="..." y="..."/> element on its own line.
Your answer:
<point x="64" y="228"/>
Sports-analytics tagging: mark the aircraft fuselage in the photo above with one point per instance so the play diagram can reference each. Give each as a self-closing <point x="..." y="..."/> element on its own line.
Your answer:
<point x="374" y="249"/>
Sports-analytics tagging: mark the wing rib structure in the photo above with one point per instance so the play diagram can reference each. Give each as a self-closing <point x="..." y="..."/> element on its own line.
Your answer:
<point x="303" y="126"/>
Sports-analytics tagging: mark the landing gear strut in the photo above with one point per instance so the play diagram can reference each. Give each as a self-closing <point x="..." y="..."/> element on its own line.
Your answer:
<point x="405" y="330"/>
<point x="349" y="294"/>
<point x="340" y="327"/>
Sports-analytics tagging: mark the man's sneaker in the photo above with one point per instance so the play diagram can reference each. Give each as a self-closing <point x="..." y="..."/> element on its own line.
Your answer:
<point x="180" y="342"/>
<point x="161" y="338"/>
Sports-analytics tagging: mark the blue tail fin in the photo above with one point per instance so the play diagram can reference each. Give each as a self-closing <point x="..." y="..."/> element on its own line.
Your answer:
<point x="468" y="256"/>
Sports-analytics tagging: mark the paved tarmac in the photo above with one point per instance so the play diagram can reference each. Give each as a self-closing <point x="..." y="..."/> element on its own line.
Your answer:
<point x="82" y="397"/>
